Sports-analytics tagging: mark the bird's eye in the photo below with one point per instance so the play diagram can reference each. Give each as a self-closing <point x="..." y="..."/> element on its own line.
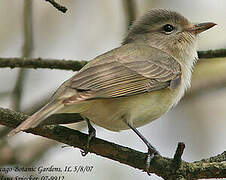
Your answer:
<point x="168" y="28"/>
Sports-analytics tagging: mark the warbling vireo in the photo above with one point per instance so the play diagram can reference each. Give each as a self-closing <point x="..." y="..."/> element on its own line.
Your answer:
<point x="134" y="84"/>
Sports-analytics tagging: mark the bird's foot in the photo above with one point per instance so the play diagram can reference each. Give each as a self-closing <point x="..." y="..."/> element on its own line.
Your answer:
<point x="92" y="134"/>
<point x="150" y="156"/>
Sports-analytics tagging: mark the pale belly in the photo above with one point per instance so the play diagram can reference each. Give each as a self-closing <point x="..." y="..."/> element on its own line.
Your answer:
<point x="138" y="110"/>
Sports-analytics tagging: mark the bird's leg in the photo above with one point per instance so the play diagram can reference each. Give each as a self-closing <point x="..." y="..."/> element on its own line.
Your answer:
<point x="92" y="133"/>
<point x="151" y="150"/>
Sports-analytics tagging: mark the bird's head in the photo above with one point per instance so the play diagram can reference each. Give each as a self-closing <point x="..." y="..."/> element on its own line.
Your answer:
<point x="168" y="31"/>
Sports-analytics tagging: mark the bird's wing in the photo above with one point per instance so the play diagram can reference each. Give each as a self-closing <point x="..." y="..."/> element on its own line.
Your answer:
<point x="126" y="71"/>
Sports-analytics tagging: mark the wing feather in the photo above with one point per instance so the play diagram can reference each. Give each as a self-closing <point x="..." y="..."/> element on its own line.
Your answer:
<point x="127" y="71"/>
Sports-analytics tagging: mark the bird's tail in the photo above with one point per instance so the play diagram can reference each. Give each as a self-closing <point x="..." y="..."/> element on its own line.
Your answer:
<point x="39" y="116"/>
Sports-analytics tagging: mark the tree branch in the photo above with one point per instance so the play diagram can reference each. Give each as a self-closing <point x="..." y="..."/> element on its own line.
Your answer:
<point x="74" y="65"/>
<point x="212" y="53"/>
<point x="162" y="166"/>
<point x="57" y="6"/>
<point x="42" y="63"/>
<point x="208" y="76"/>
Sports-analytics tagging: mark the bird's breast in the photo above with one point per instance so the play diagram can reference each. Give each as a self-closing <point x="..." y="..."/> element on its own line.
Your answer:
<point x="137" y="110"/>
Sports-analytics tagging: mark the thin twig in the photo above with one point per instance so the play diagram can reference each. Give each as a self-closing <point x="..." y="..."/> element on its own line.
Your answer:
<point x="27" y="50"/>
<point x="161" y="166"/>
<point x="179" y="151"/>
<point x="212" y="53"/>
<point x="42" y="63"/>
<point x="130" y="12"/>
<point x="18" y="90"/>
<point x="74" y="65"/>
<point x="178" y="154"/>
<point x="61" y="8"/>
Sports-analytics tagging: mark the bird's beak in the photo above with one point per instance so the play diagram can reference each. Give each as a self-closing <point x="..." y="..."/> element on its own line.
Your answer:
<point x="198" y="28"/>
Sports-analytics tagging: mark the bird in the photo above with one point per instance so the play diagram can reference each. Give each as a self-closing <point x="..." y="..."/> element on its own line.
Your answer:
<point x="135" y="83"/>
